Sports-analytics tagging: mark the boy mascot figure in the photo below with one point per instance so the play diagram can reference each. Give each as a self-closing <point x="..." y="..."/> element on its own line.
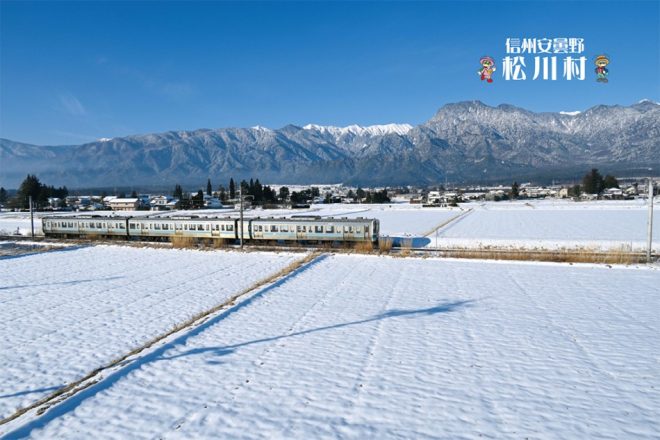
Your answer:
<point x="601" y="71"/>
<point x="487" y="68"/>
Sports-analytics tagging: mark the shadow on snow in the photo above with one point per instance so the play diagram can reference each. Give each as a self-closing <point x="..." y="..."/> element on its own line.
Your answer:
<point x="75" y="401"/>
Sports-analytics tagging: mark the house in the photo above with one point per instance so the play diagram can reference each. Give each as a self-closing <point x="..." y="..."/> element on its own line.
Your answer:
<point x="161" y="203"/>
<point x="128" y="204"/>
<point x="613" y="194"/>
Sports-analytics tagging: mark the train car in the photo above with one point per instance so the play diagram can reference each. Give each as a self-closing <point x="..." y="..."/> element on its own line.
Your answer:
<point x="314" y="229"/>
<point x="85" y="225"/>
<point x="307" y="229"/>
<point x="188" y="226"/>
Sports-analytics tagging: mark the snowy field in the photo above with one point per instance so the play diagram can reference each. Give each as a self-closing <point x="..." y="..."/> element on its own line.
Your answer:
<point x="551" y="224"/>
<point x="378" y="347"/>
<point x="64" y="313"/>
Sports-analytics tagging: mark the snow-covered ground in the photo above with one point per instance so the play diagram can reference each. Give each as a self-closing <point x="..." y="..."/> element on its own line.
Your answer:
<point x="64" y="313"/>
<point x="551" y="224"/>
<point x="379" y="347"/>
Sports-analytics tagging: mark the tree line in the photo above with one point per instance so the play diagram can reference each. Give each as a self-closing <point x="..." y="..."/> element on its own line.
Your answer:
<point x="260" y="194"/>
<point x="592" y="183"/>
<point x="40" y="193"/>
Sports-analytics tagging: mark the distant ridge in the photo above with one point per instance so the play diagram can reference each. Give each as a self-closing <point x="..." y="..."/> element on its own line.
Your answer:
<point x="463" y="142"/>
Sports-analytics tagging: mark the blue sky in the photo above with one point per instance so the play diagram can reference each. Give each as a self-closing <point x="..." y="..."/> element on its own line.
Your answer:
<point x="74" y="72"/>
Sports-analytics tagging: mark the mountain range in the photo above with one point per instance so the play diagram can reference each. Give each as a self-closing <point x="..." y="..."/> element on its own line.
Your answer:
<point x="463" y="142"/>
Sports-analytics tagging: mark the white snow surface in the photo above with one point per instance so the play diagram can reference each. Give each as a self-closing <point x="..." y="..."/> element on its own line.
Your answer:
<point x="358" y="130"/>
<point x="574" y="113"/>
<point x="551" y="225"/>
<point x="65" y="313"/>
<point x="377" y="347"/>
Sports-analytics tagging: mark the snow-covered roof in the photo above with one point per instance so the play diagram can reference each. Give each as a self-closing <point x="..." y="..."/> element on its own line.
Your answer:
<point x="128" y="200"/>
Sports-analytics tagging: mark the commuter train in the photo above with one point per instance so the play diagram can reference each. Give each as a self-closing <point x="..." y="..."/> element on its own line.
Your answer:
<point x="306" y="229"/>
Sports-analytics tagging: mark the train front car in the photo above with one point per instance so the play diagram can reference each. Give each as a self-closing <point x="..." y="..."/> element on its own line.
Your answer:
<point x="314" y="230"/>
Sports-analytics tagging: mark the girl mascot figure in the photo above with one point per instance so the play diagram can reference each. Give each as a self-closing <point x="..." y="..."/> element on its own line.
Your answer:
<point x="487" y="68"/>
<point x="601" y="71"/>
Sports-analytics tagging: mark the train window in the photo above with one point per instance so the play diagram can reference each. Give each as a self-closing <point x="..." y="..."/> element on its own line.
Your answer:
<point x="284" y="228"/>
<point x="366" y="229"/>
<point x="345" y="228"/>
<point x="200" y="227"/>
<point x="230" y="227"/>
<point x="157" y="226"/>
<point x="131" y="225"/>
<point x="222" y="227"/>
<point x="330" y="229"/>
<point x="185" y="227"/>
<point x="207" y="227"/>
<point x="358" y="229"/>
<point x="98" y="225"/>
<point x="273" y="228"/>
<point x="318" y="229"/>
<point x="120" y="225"/>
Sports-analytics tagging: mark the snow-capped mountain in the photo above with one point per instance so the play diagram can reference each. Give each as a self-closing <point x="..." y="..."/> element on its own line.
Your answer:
<point x="466" y="141"/>
<point x="357" y="130"/>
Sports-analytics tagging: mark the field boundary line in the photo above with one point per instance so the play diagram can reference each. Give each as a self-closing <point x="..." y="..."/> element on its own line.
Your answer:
<point x="67" y="391"/>
<point x="447" y="222"/>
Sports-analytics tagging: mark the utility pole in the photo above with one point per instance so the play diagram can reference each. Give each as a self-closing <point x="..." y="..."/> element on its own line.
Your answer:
<point x="240" y="195"/>
<point x="649" y="247"/>
<point x="31" y="216"/>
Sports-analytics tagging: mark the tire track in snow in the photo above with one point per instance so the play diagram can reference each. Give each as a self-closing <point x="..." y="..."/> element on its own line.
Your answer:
<point x="270" y="351"/>
<point x="609" y="377"/>
<point x="362" y="378"/>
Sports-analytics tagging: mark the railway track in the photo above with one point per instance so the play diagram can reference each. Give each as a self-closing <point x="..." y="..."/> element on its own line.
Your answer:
<point x="502" y="253"/>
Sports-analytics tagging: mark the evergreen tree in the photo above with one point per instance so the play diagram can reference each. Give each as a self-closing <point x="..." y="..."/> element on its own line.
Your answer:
<point x="245" y="187"/>
<point x="3" y="196"/>
<point x="258" y="192"/>
<point x="198" y="200"/>
<point x="178" y="192"/>
<point x="592" y="182"/>
<point x="232" y="189"/>
<point x="134" y="194"/>
<point x="30" y="187"/>
<point x="209" y="189"/>
<point x="610" y="182"/>
<point x="284" y="194"/>
<point x="575" y="191"/>
<point x="515" y="190"/>
<point x="360" y="194"/>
